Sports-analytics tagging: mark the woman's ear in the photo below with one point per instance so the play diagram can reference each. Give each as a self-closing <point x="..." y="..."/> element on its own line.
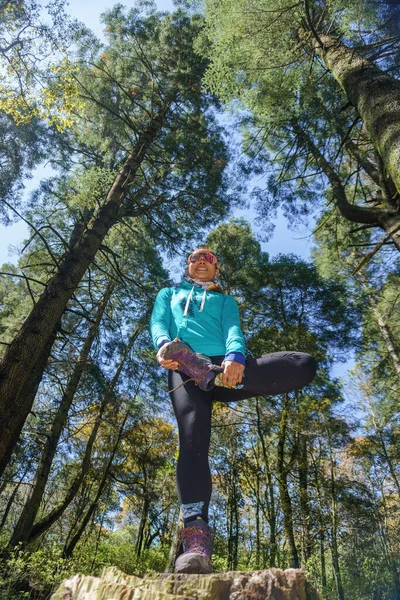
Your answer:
<point x="216" y="272"/>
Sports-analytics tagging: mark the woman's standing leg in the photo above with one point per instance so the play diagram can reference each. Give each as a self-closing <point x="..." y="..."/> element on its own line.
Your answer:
<point x="192" y="407"/>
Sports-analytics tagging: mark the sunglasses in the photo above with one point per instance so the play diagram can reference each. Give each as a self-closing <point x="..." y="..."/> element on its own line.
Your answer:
<point x="208" y="257"/>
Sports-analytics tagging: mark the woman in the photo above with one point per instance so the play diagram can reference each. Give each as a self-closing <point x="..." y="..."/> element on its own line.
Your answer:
<point x="200" y="314"/>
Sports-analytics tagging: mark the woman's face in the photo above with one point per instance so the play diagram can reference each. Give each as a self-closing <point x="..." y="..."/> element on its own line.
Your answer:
<point x="201" y="269"/>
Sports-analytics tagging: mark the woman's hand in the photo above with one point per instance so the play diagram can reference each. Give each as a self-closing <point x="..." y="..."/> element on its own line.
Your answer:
<point x="168" y="364"/>
<point x="233" y="373"/>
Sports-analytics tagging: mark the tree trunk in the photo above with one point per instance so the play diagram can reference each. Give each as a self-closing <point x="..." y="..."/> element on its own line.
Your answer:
<point x="386" y="334"/>
<point x="70" y="547"/>
<point x="334" y="527"/>
<point x="11" y="499"/>
<point x="386" y="218"/>
<point x="269" y="494"/>
<point x="27" y="518"/>
<point x="39" y="528"/>
<point x="233" y="521"/>
<point x="175" y="545"/>
<point x="22" y="367"/>
<point x="142" y="525"/>
<point x="304" y="501"/>
<point x="283" y="487"/>
<point x="374" y="94"/>
<point x="43" y="525"/>
<point x="258" y="528"/>
<point x="321" y="526"/>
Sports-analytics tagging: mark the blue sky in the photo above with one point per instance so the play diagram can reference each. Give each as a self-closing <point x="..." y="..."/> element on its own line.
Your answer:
<point x="283" y="240"/>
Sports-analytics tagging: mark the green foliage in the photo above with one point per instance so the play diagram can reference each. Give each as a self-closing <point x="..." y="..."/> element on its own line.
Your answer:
<point x="42" y="570"/>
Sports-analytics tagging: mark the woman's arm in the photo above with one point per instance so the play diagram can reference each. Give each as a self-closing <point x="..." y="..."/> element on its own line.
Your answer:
<point x="160" y="320"/>
<point x="235" y="347"/>
<point x="234" y="343"/>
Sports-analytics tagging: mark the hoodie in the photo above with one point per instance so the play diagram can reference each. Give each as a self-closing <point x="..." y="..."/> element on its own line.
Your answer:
<point x="208" y="321"/>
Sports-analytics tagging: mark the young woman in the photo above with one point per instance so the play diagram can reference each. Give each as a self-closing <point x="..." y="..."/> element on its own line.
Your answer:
<point x="198" y="312"/>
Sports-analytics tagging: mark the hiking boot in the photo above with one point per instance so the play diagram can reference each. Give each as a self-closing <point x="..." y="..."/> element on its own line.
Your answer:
<point x="197" y="366"/>
<point x="197" y="542"/>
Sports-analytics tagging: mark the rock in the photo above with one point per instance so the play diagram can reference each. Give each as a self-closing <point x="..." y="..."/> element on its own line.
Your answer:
<point x="272" y="584"/>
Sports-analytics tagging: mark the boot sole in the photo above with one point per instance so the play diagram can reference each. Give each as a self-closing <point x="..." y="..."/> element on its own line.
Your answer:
<point x="193" y="563"/>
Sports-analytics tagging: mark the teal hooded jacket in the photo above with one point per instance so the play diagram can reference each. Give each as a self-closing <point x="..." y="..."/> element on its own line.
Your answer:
<point x="208" y="321"/>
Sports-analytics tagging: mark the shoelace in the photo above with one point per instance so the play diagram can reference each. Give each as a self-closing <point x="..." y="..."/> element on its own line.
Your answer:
<point x="195" y="379"/>
<point x="202" y="539"/>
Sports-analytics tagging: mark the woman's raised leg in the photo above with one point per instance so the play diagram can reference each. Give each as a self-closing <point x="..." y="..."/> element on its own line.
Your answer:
<point x="272" y="374"/>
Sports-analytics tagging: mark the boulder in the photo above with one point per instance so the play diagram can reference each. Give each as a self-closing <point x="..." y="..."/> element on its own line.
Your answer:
<point x="271" y="584"/>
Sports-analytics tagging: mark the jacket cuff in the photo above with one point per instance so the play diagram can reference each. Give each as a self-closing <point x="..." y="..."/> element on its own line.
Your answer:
<point x="163" y="341"/>
<point x="236" y="357"/>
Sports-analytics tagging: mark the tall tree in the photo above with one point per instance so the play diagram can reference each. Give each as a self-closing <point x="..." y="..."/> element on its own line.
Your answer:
<point x="301" y="111"/>
<point x="168" y="159"/>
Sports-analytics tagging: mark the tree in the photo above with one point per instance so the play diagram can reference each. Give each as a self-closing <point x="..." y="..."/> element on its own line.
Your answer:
<point x="295" y="114"/>
<point x="167" y="152"/>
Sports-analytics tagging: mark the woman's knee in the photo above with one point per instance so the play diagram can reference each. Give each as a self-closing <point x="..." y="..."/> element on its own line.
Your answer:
<point x="309" y="367"/>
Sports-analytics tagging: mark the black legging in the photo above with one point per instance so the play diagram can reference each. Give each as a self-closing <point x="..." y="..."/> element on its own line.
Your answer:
<point x="268" y="375"/>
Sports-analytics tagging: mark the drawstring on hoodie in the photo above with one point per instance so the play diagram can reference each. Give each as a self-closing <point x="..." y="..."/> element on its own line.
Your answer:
<point x="203" y="301"/>
<point x="188" y="302"/>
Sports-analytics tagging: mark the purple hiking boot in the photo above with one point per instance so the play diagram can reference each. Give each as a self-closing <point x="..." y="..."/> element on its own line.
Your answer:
<point x="197" y="366"/>
<point x="197" y="542"/>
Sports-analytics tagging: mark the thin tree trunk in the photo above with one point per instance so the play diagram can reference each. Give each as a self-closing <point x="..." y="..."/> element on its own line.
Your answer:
<point x="258" y="510"/>
<point x="142" y="525"/>
<point x="22" y="367"/>
<point x="386" y="334"/>
<point x="143" y="516"/>
<point x="334" y="527"/>
<point x="175" y="545"/>
<point x="42" y="526"/>
<point x="68" y="549"/>
<point x="269" y="494"/>
<point x="11" y="499"/>
<point x="387" y="218"/>
<point x="321" y="527"/>
<point x="286" y="502"/>
<point x="374" y="94"/>
<point x="304" y="500"/>
<point x="27" y="518"/>
<point x="39" y="528"/>
<point x="237" y="524"/>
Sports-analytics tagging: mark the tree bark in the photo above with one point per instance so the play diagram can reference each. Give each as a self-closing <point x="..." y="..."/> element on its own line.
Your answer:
<point x="27" y="518"/>
<point x="143" y="523"/>
<point x="22" y="367"/>
<point x="387" y="337"/>
<point x="374" y="94"/>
